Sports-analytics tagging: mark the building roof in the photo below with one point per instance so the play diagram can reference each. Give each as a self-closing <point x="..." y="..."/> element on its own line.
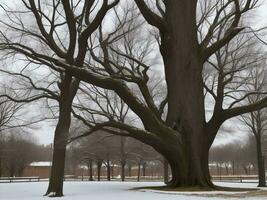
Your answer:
<point x="41" y="164"/>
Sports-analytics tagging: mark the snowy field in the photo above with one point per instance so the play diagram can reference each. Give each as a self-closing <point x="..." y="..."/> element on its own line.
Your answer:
<point x="120" y="191"/>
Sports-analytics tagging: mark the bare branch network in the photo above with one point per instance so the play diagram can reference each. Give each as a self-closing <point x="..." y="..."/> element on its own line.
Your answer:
<point x="102" y="59"/>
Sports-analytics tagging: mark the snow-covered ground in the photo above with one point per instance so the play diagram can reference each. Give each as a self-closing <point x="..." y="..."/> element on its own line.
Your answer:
<point x="117" y="191"/>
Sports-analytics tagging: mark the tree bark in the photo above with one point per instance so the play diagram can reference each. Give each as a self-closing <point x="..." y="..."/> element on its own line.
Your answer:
<point x="90" y="169"/>
<point x="261" y="167"/>
<point x="55" y="187"/>
<point x="112" y="171"/>
<point x="123" y="157"/>
<point x="123" y="163"/>
<point x="99" y="166"/>
<point x="226" y="169"/>
<point x="12" y="169"/>
<point x="68" y="89"/>
<point x="129" y="170"/>
<point x="186" y="110"/>
<point x="138" y="171"/>
<point x="144" y="168"/>
<point x="108" y="170"/>
<point x="187" y="172"/>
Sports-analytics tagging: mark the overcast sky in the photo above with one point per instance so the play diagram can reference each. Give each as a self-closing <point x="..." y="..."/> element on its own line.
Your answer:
<point x="236" y="132"/>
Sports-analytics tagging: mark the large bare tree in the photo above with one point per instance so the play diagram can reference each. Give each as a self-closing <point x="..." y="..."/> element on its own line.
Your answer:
<point x="120" y="62"/>
<point x="40" y="43"/>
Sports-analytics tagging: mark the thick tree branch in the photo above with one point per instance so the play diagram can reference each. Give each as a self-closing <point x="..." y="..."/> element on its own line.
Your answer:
<point x="151" y="17"/>
<point x="233" y="112"/>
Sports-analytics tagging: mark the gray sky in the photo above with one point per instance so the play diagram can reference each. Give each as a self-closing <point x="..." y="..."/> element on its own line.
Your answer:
<point x="45" y="133"/>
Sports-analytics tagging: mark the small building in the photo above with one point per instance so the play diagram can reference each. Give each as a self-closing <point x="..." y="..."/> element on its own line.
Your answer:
<point x="40" y="169"/>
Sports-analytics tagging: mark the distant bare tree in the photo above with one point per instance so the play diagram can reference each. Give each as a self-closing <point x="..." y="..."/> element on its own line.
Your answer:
<point x="257" y="121"/>
<point x="12" y="114"/>
<point x="18" y="152"/>
<point x="240" y="156"/>
<point x="48" y="44"/>
<point x="10" y="118"/>
<point x="8" y="112"/>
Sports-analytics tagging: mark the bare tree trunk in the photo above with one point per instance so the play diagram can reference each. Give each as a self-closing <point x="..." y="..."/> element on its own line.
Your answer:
<point x="55" y="187"/>
<point x="139" y="171"/>
<point x="99" y="166"/>
<point x="129" y="170"/>
<point x="68" y="91"/>
<point x="12" y="169"/>
<point x="261" y="167"/>
<point x="112" y="171"/>
<point x="90" y="170"/>
<point x="108" y="170"/>
<point x="144" y="165"/>
<point x="123" y="157"/>
<point x="184" y="171"/>
<point x="123" y="163"/>
<point x="226" y="169"/>
<point x="186" y="110"/>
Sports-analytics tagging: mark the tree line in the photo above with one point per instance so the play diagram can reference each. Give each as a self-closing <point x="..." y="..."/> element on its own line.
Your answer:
<point x="18" y="150"/>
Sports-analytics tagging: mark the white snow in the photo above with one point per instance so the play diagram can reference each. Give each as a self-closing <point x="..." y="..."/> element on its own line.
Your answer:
<point x="245" y="184"/>
<point x="110" y="191"/>
<point x="40" y="164"/>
